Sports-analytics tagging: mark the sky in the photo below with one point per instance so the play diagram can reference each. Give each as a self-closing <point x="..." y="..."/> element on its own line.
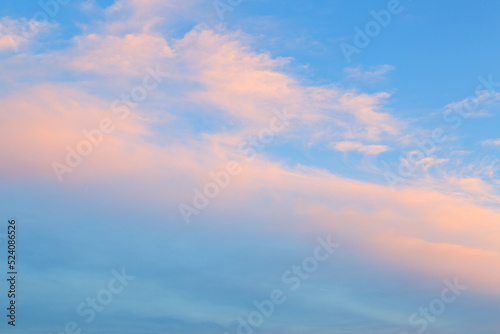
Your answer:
<point x="251" y="166"/>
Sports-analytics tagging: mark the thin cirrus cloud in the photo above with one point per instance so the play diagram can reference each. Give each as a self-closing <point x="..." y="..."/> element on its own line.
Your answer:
<point x="431" y="228"/>
<point x="20" y="34"/>
<point x="129" y="55"/>
<point x="347" y="146"/>
<point x="494" y="142"/>
<point x="372" y="74"/>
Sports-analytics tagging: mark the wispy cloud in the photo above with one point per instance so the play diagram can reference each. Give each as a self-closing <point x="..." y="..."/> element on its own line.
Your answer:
<point x="347" y="146"/>
<point x="477" y="106"/>
<point x="494" y="142"/>
<point x="18" y="34"/>
<point x="222" y="90"/>
<point x="371" y="74"/>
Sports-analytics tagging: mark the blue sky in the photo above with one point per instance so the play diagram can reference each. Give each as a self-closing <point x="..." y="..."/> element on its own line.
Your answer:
<point x="128" y="127"/>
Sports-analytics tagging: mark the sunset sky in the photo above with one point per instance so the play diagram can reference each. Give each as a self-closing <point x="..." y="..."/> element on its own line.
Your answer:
<point x="343" y="155"/>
